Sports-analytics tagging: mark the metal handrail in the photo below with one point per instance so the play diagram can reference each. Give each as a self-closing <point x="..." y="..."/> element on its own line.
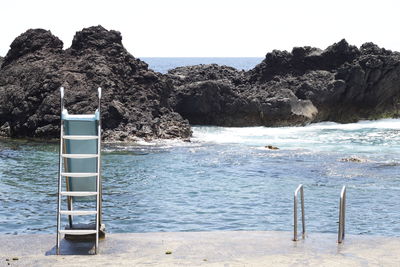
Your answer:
<point x="59" y="173"/>
<point x="98" y="180"/>
<point x="299" y="188"/>
<point x="342" y="215"/>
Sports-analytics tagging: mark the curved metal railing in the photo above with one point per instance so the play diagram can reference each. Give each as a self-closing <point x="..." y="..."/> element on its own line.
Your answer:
<point x="301" y="190"/>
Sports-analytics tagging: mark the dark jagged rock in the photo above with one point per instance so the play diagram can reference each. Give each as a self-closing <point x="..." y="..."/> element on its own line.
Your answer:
<point x="33" y="40"/>
<point x="95" y="38"/>
<point x="203" y="72"/>
<point x="135" y="99"/>
<point x="303" y="59"/>
<point x="345" y="84"/>
<point x="341" y="83"/>
<point x="228" y="99"/>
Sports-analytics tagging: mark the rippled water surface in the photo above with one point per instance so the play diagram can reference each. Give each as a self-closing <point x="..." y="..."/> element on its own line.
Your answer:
<point x="225" y="179"/>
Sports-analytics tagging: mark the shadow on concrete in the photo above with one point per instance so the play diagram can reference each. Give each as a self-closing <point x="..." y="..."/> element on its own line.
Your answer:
<point x="68" y="247"/>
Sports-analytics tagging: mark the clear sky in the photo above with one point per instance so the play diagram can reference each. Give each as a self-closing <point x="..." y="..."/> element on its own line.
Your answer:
<point x="219" y="28"/>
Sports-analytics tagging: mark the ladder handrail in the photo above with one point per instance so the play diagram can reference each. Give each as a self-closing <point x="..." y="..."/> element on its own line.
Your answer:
<point x="62" y="98"/>
<point x="342" y="215"/>
<point x="301" y="190"/>
<point x="98" y="180"/>
<point x="59" y="171"/>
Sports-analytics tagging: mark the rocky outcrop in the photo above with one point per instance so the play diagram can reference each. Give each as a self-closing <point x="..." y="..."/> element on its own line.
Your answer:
<point x="341" y="83"/>
<point x="303" y="59"/>
<point x="221" y="95"/>
<point x="345" y="83"/>
<point x="32" y="41"/>
<point x="135" y="99"/>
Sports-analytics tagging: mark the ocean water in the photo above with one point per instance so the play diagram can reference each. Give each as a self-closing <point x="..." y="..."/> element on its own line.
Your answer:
<point x="224" y="179"/>
<point x="163" y="64"/>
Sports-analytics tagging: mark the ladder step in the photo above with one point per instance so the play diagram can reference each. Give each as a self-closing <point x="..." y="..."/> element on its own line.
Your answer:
<point x="79" y="156"/>
<point x="80" y="137"/>
<point x="77" y="232"/>
<point x="78" y="212"/>
<point x="79" y="174"/>
<point x="78" y="193"/>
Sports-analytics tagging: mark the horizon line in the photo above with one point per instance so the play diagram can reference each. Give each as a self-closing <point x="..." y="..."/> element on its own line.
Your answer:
<point x="199" y="56"/>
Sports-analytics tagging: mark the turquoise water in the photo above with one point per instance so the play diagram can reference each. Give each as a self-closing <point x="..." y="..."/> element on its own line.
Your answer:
<point x="223" y="180"/>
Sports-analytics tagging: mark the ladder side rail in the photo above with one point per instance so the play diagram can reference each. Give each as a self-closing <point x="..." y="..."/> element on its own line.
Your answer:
<point x="303" y="221"/>
<point x="301" y="190"/>
<point x="295" y="216"/>
<point x="344" y="212"/>
<point x="98" y="197"/>
<point x="342" y="215"/>
<point x="59" y="172"/>
<point x="99" y="91"/>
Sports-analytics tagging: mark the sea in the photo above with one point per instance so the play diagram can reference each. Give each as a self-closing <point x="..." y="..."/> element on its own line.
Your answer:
<point x="163" y="64"/>
<point x="224" y="179"/>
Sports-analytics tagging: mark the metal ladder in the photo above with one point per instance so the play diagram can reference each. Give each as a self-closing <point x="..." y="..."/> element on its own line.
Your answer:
<point x="342" y="214"/>
<point x="64" y="175"/>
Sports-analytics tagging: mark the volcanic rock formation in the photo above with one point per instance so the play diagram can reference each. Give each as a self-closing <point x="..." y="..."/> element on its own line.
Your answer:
<point x="135" y="99"/>
<point x="341" y="83"/>
<point x="220" y="95"/>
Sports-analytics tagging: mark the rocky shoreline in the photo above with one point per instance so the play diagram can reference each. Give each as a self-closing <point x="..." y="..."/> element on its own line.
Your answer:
<point x="342" y="83"/>
<point x="135" y="99"/>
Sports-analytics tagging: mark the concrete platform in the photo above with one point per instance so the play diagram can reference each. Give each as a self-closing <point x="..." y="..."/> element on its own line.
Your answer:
<point x="203" y="249"/>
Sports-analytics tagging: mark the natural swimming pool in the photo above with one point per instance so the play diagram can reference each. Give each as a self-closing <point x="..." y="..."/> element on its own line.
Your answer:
<point x="225" y="179"/>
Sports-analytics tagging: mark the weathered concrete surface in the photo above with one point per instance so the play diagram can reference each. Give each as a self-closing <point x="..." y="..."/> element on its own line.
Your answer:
<point x="204" y="248"/>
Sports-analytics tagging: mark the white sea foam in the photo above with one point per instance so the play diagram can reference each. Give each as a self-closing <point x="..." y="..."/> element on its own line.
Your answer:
<point x="377" y="124"/>
<point x="145" y="145"/>
<point x="320" y="136"/>
<point x="326" y="135"/>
